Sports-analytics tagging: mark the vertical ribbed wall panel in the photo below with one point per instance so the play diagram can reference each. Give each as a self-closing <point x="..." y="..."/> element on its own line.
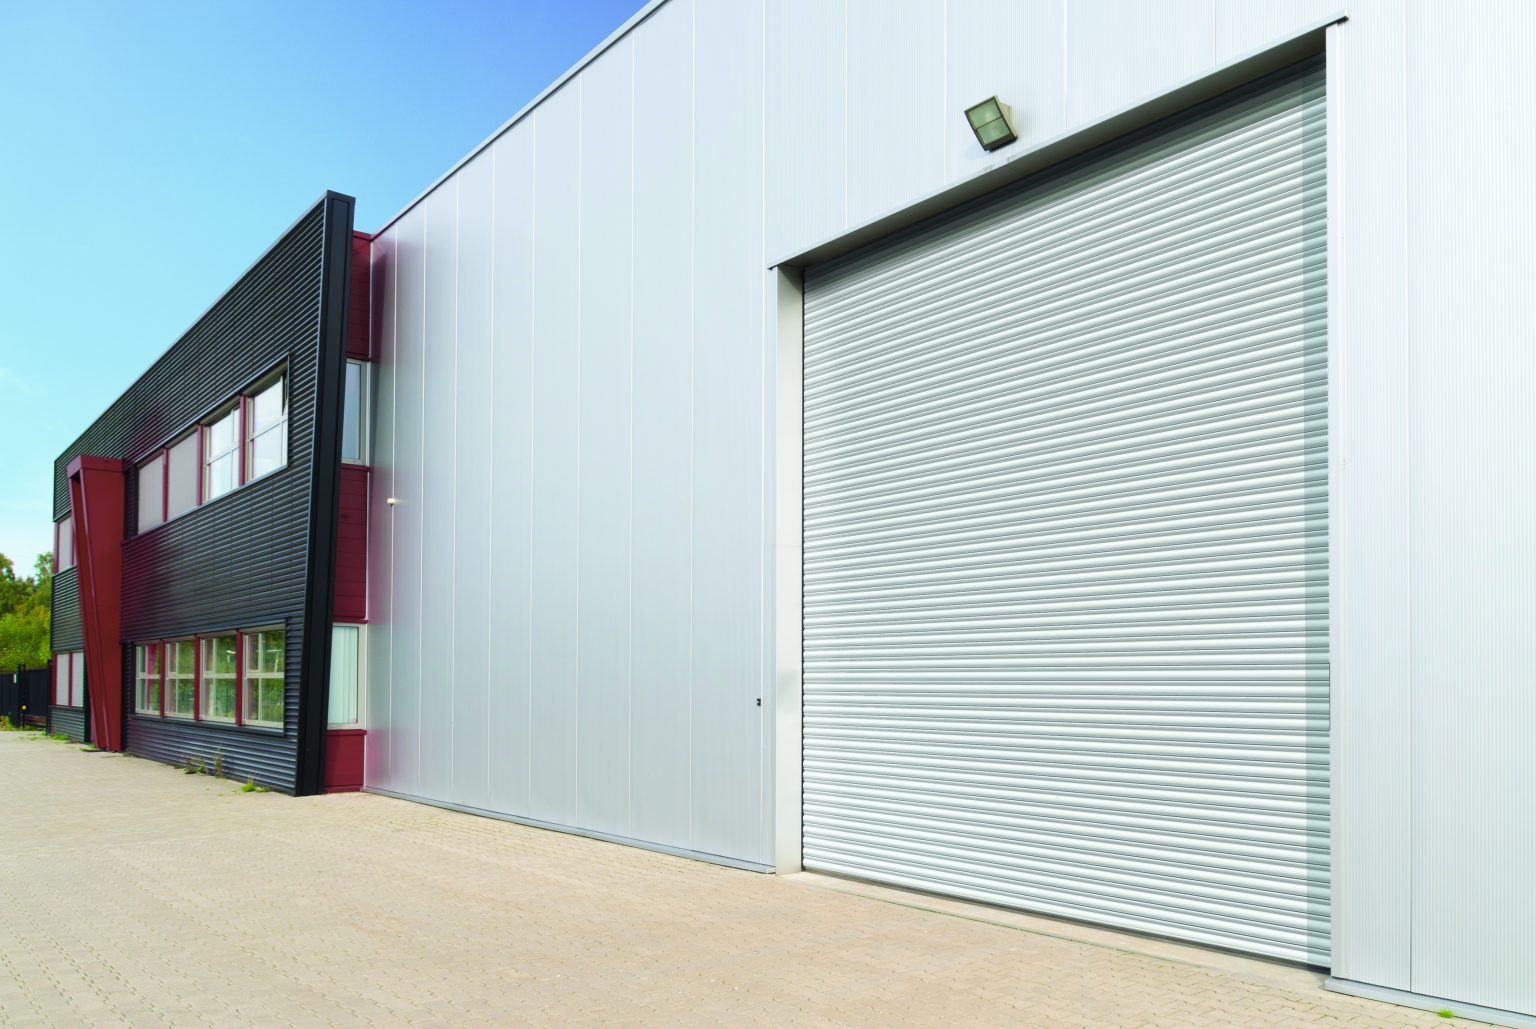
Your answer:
<point x="1065" y="540"/>
<point x="66" y="631"/>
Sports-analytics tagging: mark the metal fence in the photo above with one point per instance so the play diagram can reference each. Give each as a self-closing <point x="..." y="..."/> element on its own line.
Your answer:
<point x="24" y="696"/>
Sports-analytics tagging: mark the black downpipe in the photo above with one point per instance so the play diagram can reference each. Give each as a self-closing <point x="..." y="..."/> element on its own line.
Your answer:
<point x="325" y="490"/>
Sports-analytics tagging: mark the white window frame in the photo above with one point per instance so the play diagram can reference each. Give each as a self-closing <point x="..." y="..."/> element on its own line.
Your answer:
<point x="143" y="676"/>
<point x="361" y="685"/>
<point x="208" y="678"/>
<point x="64" y="529"/>
<point x="364" y="375"/>
<point x="252" y="433"/>
<point x="256" y="680"/>
<point x="61" y="677"/>
<point x="171" y="679"/>
<point x="233" y="452"/>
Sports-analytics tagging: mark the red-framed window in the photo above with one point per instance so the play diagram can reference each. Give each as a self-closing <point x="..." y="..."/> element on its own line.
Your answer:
<point x="262" y="692"/>
<point x="245" y="439"/>
<point x="219" y="678"/>
<point x="235" y="677"/>
<point x="69" y="679"/>
<point x="148" y="679"/>
<point x="180" y="690"/>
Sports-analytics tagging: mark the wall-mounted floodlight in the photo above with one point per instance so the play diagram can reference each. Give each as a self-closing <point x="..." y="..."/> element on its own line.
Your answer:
<point x="989" y="120"/>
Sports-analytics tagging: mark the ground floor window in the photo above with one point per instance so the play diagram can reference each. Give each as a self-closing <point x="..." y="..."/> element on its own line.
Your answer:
<point x="220" y="666"/>
<point x="237" y="677"/>
<point x="147" y="680"/>
<point x="181" y="678"/>
<point x="346" y="675"/>
<point x="264" y="679"/>
<point x="69" y="678"/>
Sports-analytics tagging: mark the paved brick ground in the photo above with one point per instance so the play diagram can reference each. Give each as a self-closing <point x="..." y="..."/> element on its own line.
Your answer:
<point x="131" y="893"/>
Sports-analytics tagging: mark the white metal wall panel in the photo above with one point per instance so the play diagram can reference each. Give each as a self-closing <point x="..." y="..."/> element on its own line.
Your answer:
<point x="603" y="701"/>
<point x="661" y="799"/>
<point x="1473" y="509"/>
<point x="895" y="129"/>
<point x="1372" y="576"/>
<point x="981" y="59"/>
<point x="1066" y="595"/>
<point x="729" y="657"/>
<point x="1113" y="50"/>
<point x="473" y="406"/>
<point x="511" y="473"/>
<point x="558" y="163"/>
<point x="439" y="437"/>
<point x="378" y="681"/>
<point x="805" y="49"/>
<point x="404" y="730"/>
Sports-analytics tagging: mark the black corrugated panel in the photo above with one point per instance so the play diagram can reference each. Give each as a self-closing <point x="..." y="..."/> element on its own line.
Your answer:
<point x="67" y="633"/>
<point x="67" y="720"/>
<point x="239" y="561"/>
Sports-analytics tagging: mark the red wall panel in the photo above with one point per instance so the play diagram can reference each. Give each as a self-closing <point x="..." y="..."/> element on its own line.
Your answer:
<point x="358" y="306"/>
<point x="351" y="602"/>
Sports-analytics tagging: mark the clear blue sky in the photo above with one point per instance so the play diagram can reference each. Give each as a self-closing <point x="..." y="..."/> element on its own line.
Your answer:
<point x="150" y="151"/>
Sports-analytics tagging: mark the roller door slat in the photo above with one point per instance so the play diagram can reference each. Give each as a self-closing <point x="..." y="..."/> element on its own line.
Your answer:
<point x="1066" y="540"/>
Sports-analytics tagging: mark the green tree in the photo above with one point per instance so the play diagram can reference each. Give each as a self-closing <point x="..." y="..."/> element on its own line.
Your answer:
<point x="25" y="608"/>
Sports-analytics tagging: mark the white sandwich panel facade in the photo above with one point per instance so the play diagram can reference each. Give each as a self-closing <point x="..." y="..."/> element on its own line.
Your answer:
<point x="573" y="597"/>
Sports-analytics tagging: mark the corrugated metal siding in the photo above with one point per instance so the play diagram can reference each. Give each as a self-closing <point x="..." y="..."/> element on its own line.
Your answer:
<point x="67" y="720"/>
<point x="1066" y="593"/>
<point x="67" y="632"/>
<point x="241" y="560"/>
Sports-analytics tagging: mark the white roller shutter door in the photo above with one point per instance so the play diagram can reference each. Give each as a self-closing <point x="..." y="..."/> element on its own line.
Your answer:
<point x="1066" y="516"/>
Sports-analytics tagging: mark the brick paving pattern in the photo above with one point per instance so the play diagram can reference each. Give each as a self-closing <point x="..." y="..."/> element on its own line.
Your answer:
<point x="133" y="894"/>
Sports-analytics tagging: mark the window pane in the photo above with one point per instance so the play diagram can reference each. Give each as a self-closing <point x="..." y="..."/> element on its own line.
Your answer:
<point x="221" y="476"/>
<point x="77" y="678"/>
<point x="66" y="543"/>
<point x="182" y="492"/>
<point x="352" y="414"/>
<point x="267" y="407"/>
<point x="221" y="435"/>
<point x="61" y="680"/>
<point x="264" y="700"/>
<point x="181" y="697"/>
<point x="343" y="693"/>
<point x="268" y="451"/>
<point x="219" y="655"/>
<point x="151" y="487"/>
<point x="272" y="651"/>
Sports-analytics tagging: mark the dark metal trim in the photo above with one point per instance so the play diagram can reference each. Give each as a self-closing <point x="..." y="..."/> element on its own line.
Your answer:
<point x="325" y="490"/>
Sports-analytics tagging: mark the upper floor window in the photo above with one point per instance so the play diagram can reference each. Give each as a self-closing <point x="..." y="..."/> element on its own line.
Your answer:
<point x="246" y="440"/>
<point x="181" y="476"/>
<point x="221" y="454"/>
<point x="64" y="543"/>
<point x="354" y="414"/>
<point x="151" y="486"/>
<point x="267" y="429"/>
